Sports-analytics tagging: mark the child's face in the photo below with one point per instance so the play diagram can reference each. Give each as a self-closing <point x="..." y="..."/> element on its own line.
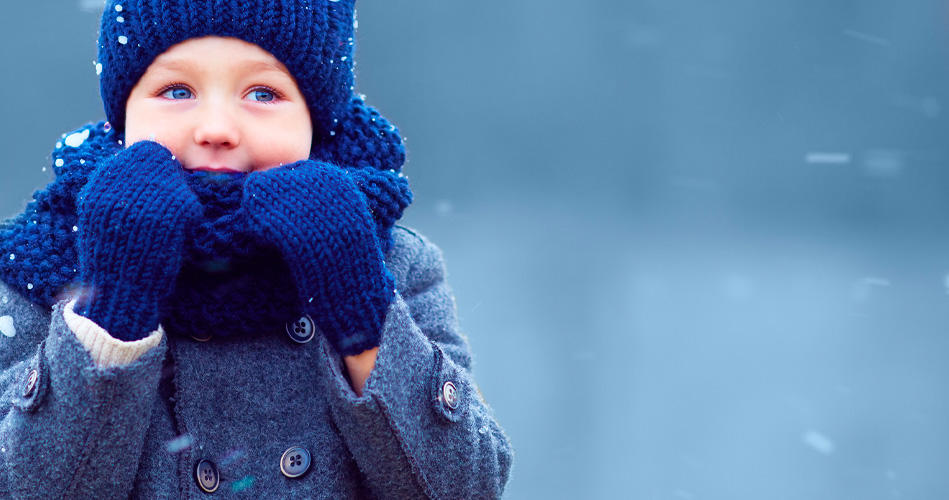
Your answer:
<point x="220" y="104"/>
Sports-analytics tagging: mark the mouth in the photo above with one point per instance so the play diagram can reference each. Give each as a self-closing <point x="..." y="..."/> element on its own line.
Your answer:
<point x="216" y="169"/>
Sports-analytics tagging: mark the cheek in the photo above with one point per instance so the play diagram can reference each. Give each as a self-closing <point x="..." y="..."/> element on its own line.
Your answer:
<point x="139" y="119"/>
<point x="301" y="130"/>
<point x="304" y="143"/>
<point x="297" y="132"/>
<point x="281" y="145"/>
<point x="146" y="124"/>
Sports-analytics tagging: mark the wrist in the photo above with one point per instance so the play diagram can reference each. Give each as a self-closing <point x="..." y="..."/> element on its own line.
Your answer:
<point x="360" y="367"/>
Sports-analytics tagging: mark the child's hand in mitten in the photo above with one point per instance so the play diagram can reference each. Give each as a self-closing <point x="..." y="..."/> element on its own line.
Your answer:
<point x="319" y="220"/>
<point x="133" y="217"/>
<point x="387" y="194"/>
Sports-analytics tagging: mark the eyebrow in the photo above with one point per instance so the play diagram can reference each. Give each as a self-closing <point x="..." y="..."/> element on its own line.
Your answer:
<point x="252" y="66"/>
<point x="263" y="66"/>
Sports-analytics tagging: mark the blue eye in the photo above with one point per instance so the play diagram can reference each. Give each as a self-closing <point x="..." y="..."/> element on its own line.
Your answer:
<point x="177" y="93"/>
<point x="261" y="95"/>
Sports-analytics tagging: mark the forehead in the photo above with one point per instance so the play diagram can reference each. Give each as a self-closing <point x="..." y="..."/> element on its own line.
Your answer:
<point x="201" y="54"/>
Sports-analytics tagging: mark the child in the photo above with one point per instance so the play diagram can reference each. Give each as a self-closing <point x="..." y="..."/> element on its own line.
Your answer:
<point x="211" y="297"/>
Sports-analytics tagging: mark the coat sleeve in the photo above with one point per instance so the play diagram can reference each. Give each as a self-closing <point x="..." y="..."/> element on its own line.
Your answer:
<point x="69" y="429"/>
<point x="421" y="428"/>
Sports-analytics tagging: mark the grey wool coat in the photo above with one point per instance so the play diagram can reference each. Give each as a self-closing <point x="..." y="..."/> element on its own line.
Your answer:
<point x="256" y="418"/>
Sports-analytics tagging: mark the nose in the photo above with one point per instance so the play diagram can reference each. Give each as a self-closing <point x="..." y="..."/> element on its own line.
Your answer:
<point x="216" y="127"/>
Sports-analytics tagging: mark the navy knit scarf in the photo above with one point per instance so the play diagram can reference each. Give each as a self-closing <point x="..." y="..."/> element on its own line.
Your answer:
<point x="230" y="284"/>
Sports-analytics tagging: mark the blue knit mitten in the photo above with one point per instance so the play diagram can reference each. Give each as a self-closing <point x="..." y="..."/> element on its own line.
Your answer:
<point x="317" y="217"/>
<point x="370" y="149"/>
<point x="387" y="194"/>
<point x="134" y="215"/>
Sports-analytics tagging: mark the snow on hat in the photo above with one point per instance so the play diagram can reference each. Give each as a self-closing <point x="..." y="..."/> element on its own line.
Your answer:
<point x="313" y="38"/>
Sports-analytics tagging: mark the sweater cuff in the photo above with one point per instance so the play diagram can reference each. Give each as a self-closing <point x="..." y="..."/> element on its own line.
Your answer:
<point x="106" y="350"/>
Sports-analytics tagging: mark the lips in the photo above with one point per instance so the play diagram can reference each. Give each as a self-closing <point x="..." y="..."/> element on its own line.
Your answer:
<point x="217" y="169"/>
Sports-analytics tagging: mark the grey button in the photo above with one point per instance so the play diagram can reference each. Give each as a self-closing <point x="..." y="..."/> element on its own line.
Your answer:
<point x="30" y="383"/>
<point x="295" y="462"/>
<point x="450" y="395"/>
<point x="302" y="330"/>
<point x="206" y="475"/>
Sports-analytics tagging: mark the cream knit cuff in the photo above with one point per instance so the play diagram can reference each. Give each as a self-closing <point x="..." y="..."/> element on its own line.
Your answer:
<point x="107" y="351"/>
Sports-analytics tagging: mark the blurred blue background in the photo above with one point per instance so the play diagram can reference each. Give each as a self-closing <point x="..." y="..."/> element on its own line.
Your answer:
<point x="701" y="249"/>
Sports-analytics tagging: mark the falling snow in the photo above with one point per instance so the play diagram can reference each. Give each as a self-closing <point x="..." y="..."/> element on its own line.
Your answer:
<point x="829" y="158"/>
<point x="6" y="326"/>
<point x="444" y="208"/>
<point x="91" y="5"/>
<point x="76" y="140"/>
<point x="245" y="482"/>
<point x="123" y="39"/>
<point x="866" y="37"/>
<point x="29" y="286"/>
<point x="871" y="280"/>
<point x="864" y="289"/>
<point x="234" y="455"/>
<point x="883" y="163"/>
<point x="60" y="162"/>
<point x="928" y="106"/>
<point x="819" y="442"/>
<point x="179" y="444"/>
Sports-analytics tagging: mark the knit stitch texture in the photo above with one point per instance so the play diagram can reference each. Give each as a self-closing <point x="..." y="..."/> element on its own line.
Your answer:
<point x="225" y="271"/>
<point x="313" y="38"/>
<point x="222" y="265"/>
<point x="111" y="434"/>
<point x="134" y="215"/>
<point x="320" y="221"/>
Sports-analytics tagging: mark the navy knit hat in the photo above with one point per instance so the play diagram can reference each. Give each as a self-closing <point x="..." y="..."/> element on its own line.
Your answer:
<point x="313" y="38"/>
